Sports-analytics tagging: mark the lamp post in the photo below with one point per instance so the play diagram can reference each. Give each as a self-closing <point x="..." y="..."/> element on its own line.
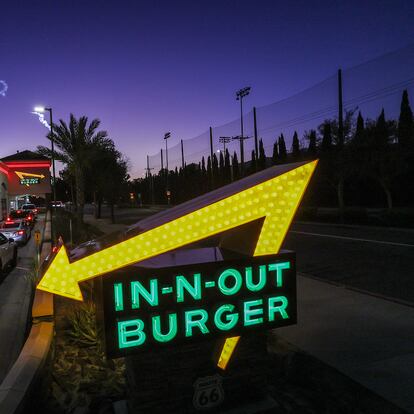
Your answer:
<point x="41" y="110"/>
<point x="240" y="94"/>
<point x="167" y="135"/>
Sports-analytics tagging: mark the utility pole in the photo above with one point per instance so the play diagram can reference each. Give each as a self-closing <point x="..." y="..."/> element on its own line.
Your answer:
<point x="182" y="155"/>
<point x="151" y="183"/>
<point x="256" y="144"/>
<point x="167" y="135"/>
<point x="340" y="111"/>
<point x="211" y="156"/>
<point x="240" y="94"/>
<point x="162" y="162"/>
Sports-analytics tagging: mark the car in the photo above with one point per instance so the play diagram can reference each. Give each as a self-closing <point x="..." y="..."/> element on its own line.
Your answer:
<point x="8" y="253"/>
<point x="57" y="204"/>
<point x="31" y="208"/>
<point x="18" y="230"/>
<point x="22" y="215"/>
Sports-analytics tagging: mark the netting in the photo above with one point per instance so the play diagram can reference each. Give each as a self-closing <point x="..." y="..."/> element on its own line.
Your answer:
<point x="368" y="87"/>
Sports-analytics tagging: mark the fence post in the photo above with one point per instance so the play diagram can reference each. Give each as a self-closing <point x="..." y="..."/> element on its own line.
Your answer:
<point x="182" y="154"/>
<point x="256" y="146"/>
<point x="211" y="156"/>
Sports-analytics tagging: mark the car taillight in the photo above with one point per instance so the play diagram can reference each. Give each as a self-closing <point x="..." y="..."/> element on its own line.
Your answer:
<point x="29" y="218"/>
<point x="8" y="219"/>
<point x="35" y="210"/>
<point x="19" y="211"/>
<point x="20" y="232"/>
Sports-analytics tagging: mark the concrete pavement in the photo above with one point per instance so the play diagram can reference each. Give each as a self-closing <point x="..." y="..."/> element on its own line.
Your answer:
<point x="365" y="337"/>
<point x="15" y="297"/>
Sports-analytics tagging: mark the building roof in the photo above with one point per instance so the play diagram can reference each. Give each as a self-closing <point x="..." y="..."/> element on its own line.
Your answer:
<point x="25" y="156"/>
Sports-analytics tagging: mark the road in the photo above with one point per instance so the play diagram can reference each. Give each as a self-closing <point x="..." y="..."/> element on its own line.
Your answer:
<point x="378" y="260"/>
<point x="373" y="259"/>
<point x="15" y="298"/>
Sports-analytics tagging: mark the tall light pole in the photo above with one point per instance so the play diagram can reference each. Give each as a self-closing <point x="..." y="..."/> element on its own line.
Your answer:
<point x="167" y="135"/>
<point x="240" y="94"/>
<point x="224" y="141"/>
<point x="41" y="110"/>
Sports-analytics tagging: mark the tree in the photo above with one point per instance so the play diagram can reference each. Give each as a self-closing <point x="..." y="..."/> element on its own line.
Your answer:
<point x="227" y="167"/>
<point x="282" y="148"/>
<point x="275" y="155"/>
<point x="326" y="144"/>
<point x="311" y="136"/>
<point x="235" y="165"/>
<point x="295" y="146"/>
<point x="75" y="146"/>
<point x="359" y="130"/>
<point x="405" y="130"/>
<point x="262" y="156"/>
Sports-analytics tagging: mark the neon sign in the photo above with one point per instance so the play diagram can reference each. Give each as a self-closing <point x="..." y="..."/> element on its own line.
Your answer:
<point x="148" y="307"/>
<point x="29" y="179"/>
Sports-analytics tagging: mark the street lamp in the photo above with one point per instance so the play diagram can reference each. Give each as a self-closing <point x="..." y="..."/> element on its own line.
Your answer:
<point x="240" y="94"/>
<point x="167" y="135"/>
<point x="41" y="110"/>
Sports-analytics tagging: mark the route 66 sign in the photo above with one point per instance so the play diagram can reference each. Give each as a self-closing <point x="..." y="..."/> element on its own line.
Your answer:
<point x="208" y="392"/>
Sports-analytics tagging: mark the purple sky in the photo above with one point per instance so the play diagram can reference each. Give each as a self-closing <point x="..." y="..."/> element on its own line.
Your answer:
<point x="147" y="67"/>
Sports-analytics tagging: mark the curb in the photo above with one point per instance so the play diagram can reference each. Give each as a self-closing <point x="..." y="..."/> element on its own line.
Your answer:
<point x="25" y="375"/>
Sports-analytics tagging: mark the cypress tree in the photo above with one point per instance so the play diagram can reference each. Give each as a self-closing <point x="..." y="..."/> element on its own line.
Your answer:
<point x="253" y="159"/>
<point x="209" y="172"/>
<point x="275" y="155"/>
<point x="235" y="165"/>
<point x="203" y="166"/>
<point x="262" y="156"/>
<point x="227" y="166"/>
<point x="405" y="122"/>
<point x="326" y="144"/>
<point x="214" y="166"/>
<point x="295" y="146"/>
<point x="381" y="131"/>
<point x="282" y="148"/>
<point x="360" y="129"/>
<point x="312" y="143"/>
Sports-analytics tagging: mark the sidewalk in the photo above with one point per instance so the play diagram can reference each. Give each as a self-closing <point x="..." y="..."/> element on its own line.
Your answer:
<point x="367" y="338"/>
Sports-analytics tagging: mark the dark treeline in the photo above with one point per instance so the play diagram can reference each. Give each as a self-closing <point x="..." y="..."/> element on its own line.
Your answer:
<point x="367" y="163"/>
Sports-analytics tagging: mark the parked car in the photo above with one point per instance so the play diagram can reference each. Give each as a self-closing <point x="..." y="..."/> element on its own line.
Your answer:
<point x="57" y="204"/>
<point x="8" y="253"/>
<point x="27" y="216"/>
<point x="31" y="208"/>
<point x="18" y="230"/>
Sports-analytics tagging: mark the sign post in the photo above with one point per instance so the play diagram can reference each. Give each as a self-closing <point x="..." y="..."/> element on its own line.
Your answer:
<point x="38" y="242"/>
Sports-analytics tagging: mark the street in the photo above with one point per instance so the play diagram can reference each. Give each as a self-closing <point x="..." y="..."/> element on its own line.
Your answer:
<point x="15" y="299"/>
<point x="377" y="260"/>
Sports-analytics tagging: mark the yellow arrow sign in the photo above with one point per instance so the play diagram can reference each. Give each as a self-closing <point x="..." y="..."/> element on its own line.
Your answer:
<point x="21" y="174"/>
<point x="275" y="200"/>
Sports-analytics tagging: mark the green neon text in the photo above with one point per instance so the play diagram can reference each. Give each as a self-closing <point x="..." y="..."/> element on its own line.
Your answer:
<point x="151" y="296"/>
<point x="250" y="315"/>
<point x="193" y="289"/>
<point x="131" y="333"/>
<point x="226" y="274"/>
<point x="279" y="267"/>
<point x="118" y="297"/>
<point x="172" y="328"/>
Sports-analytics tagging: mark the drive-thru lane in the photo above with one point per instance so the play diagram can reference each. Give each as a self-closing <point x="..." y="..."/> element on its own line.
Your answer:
<point x="15" y="298"/>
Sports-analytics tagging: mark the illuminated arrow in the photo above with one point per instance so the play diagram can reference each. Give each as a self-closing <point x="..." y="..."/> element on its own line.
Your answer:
<point x="275" y="200"/>
<point x="21" y="174"/>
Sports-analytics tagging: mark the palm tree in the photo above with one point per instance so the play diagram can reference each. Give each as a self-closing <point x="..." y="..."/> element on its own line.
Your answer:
<point x="75" y="146"/>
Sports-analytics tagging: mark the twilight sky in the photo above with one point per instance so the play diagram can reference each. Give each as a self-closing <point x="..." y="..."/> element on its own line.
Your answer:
<point x="147" y="67"/>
